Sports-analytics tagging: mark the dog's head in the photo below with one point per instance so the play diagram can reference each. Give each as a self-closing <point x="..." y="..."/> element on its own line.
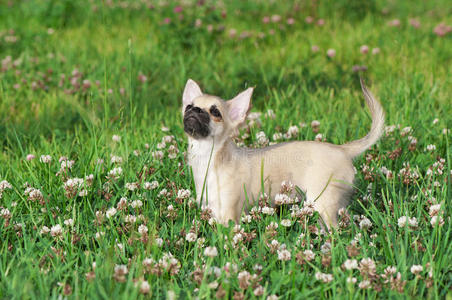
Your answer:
<point x="210" y="116"/>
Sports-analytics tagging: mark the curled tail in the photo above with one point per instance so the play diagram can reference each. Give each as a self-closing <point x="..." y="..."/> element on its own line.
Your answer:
<point x="357" y="147"/>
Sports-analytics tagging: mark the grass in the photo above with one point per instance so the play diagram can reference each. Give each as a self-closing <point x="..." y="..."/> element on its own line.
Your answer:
<point x="141" y="65"/>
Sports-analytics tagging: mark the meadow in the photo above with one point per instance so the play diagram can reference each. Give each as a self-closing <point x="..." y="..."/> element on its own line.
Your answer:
<point x="97" y="202"/>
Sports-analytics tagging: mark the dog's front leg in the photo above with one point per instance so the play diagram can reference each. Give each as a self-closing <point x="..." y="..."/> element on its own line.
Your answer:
<point x="230" y="208"/>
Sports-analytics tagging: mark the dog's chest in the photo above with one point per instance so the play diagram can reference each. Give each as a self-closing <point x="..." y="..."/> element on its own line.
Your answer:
<point x="201" y="160"/>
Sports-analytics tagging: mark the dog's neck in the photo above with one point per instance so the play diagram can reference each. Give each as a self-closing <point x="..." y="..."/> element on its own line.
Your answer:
<point x="200" y="151"/>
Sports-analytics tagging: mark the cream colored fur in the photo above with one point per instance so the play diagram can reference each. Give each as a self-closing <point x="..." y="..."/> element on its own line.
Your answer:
<point x="226" y="175"/>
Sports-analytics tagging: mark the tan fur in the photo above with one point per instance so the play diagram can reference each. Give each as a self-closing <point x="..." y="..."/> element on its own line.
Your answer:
<point x="232" y="174"/>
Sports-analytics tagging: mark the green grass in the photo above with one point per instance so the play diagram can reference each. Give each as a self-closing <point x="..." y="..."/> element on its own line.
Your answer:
<point x="113" y="45"/>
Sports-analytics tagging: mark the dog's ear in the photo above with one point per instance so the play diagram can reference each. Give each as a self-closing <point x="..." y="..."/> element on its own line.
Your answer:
<point x="239" y="106"/>
<point x="191" y="91"/>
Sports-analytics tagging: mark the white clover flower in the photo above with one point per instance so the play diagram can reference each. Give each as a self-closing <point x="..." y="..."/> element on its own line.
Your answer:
<point x="261" y="138"/>
<point x="159" y="242"/>
<point x="284" y="255"/>
<point x="116" y="159"/>
<point x="351" y="264"/>
<point x="402" y="221"/>
<point x="69" y="222"/>
<point x="163" y="193"/>
<point x="254" y="115"/>
<point x="168" y="138"/>
<point x="272" y="226"/>
<point x="246" y="219"/>
<point x="131" y="186"/>
<point x="200" y="242"/>
<point x="130" y="219"/>
<point x="161" y="145"/>
<point x="66" y="164"/>
<point x="121" y="269"/>
<point x="115" y="172"/>
<point x="351" y="280"/>
<point x="4" y="212"/>
<point x="331" y="53"/>
<point x="151" y="185"/>
<point x="4" y="185"/>
<point x="238" y="237"/>
<point x="390" y="270"/>
<point x="292" y="132"/>
<point x="116" y="138"/>
<point x="210" y="251"/>
<point x="99" y="234"/>
<point x="308" y="207"/>
<point x="406" y="130"/>
<point x="390" y="129"/>
<point x="274" y="244"/>
<point x="277" y="136"/>
<point x="172" y="152"/>
<point x="413" y="222"/>
<point x="111" y="212"/>
<point x="416" y="269"/>
<point x="431" y="147"/>
<point x="259" y="291"/>
<point x="315" y="124"/>
<point x="148" y="262"/>
<point x="145" y="287"/>
<point x="45" y="230"/>
<point x="270" y="114"/>
<point x="157" y="154"/>
<point x="191" y="237"/>
<point x="281" y="199"/>
<point x="215" y="270"/>
<point x="33" y="194"/>
<point x="142" y="229"/>
<point x="437" y="220"/>
<point x="365" y="284"/>
<point x="286" y="223"/>
<point x="268" y="210"/>
<point x="136" y="204"/>
<point x="365" y="224"/>
<point x="45" y="159"/>
<point x="56" y="230"/>
<point x="324" y="277"/>
<point x="326" y="248"/>
<point x="122" y="203"/>
<point x="319" y="137"/>
<point x="183" y="194"/>
<point x="308" y="255"/>
<point x="73" y="183"/>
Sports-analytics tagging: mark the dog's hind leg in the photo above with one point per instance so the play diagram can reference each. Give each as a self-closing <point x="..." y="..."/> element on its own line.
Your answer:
<point x="330" y="200"/>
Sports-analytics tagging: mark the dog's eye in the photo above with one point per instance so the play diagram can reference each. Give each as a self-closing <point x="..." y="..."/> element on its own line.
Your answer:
<point x="188" y="107"/>
<point x="215" y="112"/>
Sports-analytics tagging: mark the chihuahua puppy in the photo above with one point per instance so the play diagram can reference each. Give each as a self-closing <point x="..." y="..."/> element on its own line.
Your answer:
<point x="229" y="178"/>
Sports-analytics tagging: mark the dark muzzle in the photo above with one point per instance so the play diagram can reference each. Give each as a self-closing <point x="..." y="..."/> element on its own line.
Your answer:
<point x="196" y="122"/>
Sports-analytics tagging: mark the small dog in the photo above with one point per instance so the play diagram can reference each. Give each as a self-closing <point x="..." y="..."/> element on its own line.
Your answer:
<point x="229" y="178"/>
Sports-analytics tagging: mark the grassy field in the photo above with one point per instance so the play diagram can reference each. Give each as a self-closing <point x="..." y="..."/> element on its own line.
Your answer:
<point x="96" y="200"/>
